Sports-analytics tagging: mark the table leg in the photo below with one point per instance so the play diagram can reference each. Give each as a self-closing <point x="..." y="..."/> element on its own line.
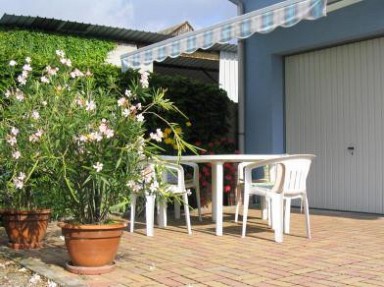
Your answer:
<point x="213" y="191"/>
<point x="217" y="196"/>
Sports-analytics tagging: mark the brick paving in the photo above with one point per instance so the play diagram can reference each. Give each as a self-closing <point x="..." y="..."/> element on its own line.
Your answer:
<point x="346" y="249"/>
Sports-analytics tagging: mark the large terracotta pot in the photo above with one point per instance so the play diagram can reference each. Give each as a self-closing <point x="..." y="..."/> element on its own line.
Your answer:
<point x="92" y="248"/>
<point x="25" y="228"/>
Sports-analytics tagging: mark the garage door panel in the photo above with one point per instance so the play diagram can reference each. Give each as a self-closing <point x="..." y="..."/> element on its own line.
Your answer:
<point x="334" y="101"/>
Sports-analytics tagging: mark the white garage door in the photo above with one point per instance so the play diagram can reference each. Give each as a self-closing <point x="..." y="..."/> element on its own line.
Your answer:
<point x="335" y="109"/>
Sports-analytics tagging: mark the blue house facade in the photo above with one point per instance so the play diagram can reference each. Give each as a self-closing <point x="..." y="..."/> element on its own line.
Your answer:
<point x="264" y="64"/>
<point x="317" y="87"/>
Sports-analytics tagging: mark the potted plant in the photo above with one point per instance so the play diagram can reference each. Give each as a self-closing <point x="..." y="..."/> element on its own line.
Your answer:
<point x="27" y="182"/>
<point x="96" y="143"/>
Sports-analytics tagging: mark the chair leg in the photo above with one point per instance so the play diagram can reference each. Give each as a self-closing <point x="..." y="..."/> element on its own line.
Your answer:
<point x="264" y="208"/>
<point x="150" y="213"/>
<point x="269" y="211"/>
<point x="287" y="215"/>
<point x="238" y="202"/>
<point x="277" y="216"/>
<point x="245" y="213"/>
<point x="197" y="189"/>
<point x="162" y="212"/>
<point x="176" y="205"/>
<point x="186" y="212"/>
<point x="307" y="221"/>
<point x="133" y="212"/>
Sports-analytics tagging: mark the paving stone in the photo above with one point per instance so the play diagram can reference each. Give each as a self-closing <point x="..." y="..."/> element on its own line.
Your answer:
<point x="346" y="250"/>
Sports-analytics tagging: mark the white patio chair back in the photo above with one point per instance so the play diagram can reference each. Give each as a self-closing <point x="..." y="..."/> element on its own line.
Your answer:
<point x="259" y="187"/>
<point x="191" y="183"/>
<point x="173" y="175"/>
<point x="194" y="184"/>
<point x="290" y="182"/>
<point x="295" y="175"/>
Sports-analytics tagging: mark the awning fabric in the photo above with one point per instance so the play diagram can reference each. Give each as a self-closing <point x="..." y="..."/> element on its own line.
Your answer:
<point x="286" y="14"/>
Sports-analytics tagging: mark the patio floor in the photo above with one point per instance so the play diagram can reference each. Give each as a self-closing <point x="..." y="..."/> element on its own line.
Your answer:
<point x="347" y="249"/>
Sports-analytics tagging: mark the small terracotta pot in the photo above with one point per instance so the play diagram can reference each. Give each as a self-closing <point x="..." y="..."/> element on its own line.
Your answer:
<point x="92" y="247"/>
<point x="25" y="228"/>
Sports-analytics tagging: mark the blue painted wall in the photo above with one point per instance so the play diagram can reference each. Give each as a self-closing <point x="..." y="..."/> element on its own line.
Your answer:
<point x="264" y="69"/>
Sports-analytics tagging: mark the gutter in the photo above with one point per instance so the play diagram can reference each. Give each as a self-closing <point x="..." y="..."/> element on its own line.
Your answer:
<point x="241" y="83"/>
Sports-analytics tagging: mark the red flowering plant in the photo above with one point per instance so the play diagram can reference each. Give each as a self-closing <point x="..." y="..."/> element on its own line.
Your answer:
<point x="219" y="146"/>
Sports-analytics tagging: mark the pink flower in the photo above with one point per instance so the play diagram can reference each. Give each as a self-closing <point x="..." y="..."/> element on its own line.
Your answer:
<point x="109" y="133"/>
<point x="19" y="181"/>
<point x="51" y="71"/>
<point x="126" y="112"/>
<point x="90" y="106"/>
<point x="121" y="102"/>
<point x="98" y="166"/>
<point x="16" y="154"/>
<point x="60" y="53"/>
<point x="11" y="140"/>
<point x="157" y="136"/>
<point x="22" y="80"/>
<point x="19" y="95"/>
<point x="15" y="131"/>
<point x="103" y="126"/>
<point x="35" y="115"/>
<point x="76" y="73"/>
<point x="27" y="67"/>
<point x="44" y="80"/>
<point x="140" y="118"/>
<point x="128" y="93"/>
<point x="7" y="93"/>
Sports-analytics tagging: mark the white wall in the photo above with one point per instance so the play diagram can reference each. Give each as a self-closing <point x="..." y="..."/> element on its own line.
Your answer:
<point x="228" y="74"/>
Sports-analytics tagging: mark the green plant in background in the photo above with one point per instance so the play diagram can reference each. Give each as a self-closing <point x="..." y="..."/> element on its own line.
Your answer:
<point x="17" y="44"/>
<point x="206" y="105"/>
<point x="220" y="146"/>
<point x="90" y="144"/>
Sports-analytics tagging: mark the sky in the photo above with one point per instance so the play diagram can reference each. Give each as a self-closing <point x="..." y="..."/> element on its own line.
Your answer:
<point x="146" y="15"/>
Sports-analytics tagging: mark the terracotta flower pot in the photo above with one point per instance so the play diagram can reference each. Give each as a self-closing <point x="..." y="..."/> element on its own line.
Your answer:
<point x="92" y="248"/>
<point x="25" y="228"/>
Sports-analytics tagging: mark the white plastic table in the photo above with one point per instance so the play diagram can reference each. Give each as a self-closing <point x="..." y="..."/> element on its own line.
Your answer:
<point x="217" y="161"/>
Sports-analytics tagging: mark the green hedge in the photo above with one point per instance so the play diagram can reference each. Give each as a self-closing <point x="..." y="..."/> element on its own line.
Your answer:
<point x="17" y="44"/>
<point x="206" y="105"/>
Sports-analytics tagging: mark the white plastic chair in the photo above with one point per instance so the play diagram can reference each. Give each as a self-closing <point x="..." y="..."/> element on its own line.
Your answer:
<point x="192" y="183"/>
<point x="296" y="172"/>
<point x="290" y="183"/>
<point x="176" y="188"/>
<point x="258" y="188"/>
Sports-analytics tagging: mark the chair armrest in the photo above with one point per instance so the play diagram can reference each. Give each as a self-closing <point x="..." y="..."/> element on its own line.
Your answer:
<point x="196" y="170"/>
<point x="179" y="170"/>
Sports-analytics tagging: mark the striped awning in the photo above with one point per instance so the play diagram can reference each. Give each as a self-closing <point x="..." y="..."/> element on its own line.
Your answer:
<point x="286" y="14"/>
